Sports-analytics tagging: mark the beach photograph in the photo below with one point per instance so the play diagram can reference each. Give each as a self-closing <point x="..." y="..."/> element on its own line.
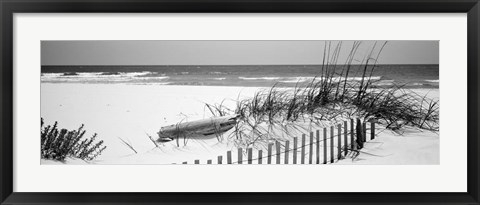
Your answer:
<point x="231" y="102"/>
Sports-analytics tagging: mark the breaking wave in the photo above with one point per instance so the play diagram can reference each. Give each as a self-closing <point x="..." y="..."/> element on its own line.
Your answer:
<point x="308" y="79"/>
<point x="259" y="78"/>
<point x="102" y="76"/>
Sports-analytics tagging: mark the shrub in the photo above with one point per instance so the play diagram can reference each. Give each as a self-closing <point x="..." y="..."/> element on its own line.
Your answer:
<point x="57" y="144"/>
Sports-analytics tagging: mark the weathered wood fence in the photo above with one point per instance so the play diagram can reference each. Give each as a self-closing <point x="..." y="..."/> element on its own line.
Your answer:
<point x="315" y="148"/>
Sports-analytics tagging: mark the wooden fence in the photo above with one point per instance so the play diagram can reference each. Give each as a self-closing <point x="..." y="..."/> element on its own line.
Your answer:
<point x="319" y="147"/>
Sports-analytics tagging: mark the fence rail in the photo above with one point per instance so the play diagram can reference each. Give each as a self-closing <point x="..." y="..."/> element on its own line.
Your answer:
<point x="335" y="147"/>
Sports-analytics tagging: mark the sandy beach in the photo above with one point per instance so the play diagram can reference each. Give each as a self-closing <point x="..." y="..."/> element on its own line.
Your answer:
<point x="133" y="111"/>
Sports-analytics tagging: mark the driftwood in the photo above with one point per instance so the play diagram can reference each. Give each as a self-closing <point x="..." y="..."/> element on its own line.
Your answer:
<point x="214" y="125"/>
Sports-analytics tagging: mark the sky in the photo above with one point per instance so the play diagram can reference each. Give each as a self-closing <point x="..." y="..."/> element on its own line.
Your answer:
<point x="303" y="52"/>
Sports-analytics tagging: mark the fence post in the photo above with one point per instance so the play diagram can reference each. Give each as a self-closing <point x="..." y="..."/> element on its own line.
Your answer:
<point x="345" y="135"/>
<point x="240" y="155"/>
<point x="364" y="131"/>
<point x="295" y="143"/>
<point x="352" y="134"/>
<point x="197" y="161"/>
<point x="302" y="158"/>
<point x="287" y="147"/>
<point x="318" y="146"/>
<point x="339" y="145"/>
<point x="269" y="157"/>
<point x="332" y="147"/>
<point x="219" y="160"/>
<point x="310" y="150"/>
<point x="209" y="161"/>
<point x="259" y="159"/>
<point x="229" y="157"/>
<point x="277" y="147"/>
<point x="249" y="155"/>
<point x="359" y="132"/>
<point x="372" y="130"/>
<point x="324" y="145"/>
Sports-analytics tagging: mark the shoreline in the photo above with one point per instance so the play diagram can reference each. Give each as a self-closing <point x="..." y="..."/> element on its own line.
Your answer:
<point x="279" y="85"/>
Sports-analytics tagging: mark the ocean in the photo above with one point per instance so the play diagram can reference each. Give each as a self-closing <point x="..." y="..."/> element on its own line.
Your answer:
<point x="411" y="76"/>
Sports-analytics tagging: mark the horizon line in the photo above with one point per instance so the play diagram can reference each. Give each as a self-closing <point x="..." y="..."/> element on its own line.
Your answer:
<point x="255" y="64"/>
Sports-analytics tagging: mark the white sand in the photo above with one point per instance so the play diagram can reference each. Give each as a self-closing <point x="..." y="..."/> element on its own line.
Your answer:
<point x="116" y="111"/>
<point x="413" y="147"/>
<point x="130" y="111"/>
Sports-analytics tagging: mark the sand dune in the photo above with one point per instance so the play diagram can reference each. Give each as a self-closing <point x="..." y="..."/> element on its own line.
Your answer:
<point x="130" y="112"/>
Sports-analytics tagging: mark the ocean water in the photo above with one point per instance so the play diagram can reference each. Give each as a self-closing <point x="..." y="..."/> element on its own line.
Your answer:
<point x="412" y="76"/>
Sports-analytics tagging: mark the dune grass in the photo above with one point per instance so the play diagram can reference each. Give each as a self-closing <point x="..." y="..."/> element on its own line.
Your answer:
<point x="330" y="96"/>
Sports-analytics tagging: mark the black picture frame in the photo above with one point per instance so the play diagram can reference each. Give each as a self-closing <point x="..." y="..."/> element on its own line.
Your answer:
<point x="10" y="7"/>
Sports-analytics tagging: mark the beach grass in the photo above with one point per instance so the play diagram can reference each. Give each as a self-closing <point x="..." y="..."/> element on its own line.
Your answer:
<point x="329" y="97"/>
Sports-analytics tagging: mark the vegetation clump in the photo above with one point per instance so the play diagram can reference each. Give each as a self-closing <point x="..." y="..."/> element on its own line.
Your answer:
<point x="338" y="92"/>
<point x="58" y="144"/>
